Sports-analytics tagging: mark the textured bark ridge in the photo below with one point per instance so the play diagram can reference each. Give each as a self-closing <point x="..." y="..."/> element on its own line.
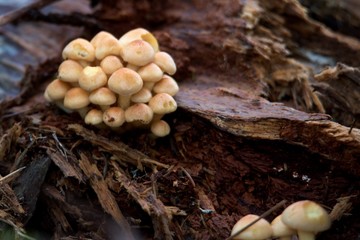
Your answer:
<point x="268" y="111"/>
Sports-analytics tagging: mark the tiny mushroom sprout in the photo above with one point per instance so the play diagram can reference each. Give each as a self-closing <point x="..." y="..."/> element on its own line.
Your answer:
<point x="258" y="231"/>
<point x="307" y="218"/>
<point x="118" y="83"/>
<point x="280" y="230"/>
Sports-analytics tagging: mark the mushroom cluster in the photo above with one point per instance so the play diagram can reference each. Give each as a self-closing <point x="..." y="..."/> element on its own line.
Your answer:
<point x="119" y="83"/>
<point x="303" y="218"/>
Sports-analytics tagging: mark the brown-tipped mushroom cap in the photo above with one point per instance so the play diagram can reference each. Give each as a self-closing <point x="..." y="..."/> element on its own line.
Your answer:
<point x="162" y="103"/>
<point x="76" y="98"/>
<point x="69" y="71"/>
<point x="92" y="78"/>
<point x="94" y="117"/>
<point x="56" y="90"/>
<point x="160" y="128"/>
<point x="110" y="64"/>
<point x="150" y="73"/>
<point x="79" y="49"/>
<point x="142" y="96"/>
<point x="114" y="117"/>
<point x="260" y="230"/>
<point x="139" y="34"/>
<point x="138" y="52"/>
<point x="139" y="113"/>
<point x="102" y="97"/>
<point x="280" y="230"/>
<point x="107" y="45"/>
<point x="125" y="81"/>
<point x="166" y="85"/>
<point x="165" y="62"/>
<point x="307" y="217"/>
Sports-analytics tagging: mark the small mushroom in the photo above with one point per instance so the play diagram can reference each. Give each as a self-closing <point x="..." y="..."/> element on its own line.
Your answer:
<point x="76" y="98"/>
<point x="92" y="78"/>
<point x="103" y="97"/>
<point x="139" y="114"/>
<point x="69" y="71"/>
<point x="162" y="103"/>
<point x="258" y="231"/>
<point x="165" y="62"/>
<point x="166" y="85"/>
<point x="79" y="49"/>
<point x="280" y="230"/>
<point x="150" y="74"/>
<point x="160" y="128"/>
<point x="142" y="96"/>
<point x="106" y="45"/>
<point x="114" y="117"/>
<point x="56" y="90"/>
<point x="94" y="117"/>
<point x="138" y="52"/>
<point x="125" y="82"/>
<point x="110" y="64"/>
<point x="307" y="218"/>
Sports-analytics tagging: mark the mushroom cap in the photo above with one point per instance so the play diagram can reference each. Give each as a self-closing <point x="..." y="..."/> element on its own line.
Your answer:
<point x="56" y="90"/>
<point x="142" y="96"/>
<point x="125" y="81"/>
<point x="166" y="85"/>
<point x="102" y="96"/>
<point x="280" y="229"/>
<point x="165" y="62"/>
<point x="260" y="230"/>
<point x="150" y="73"/>
<point x="79" y="49"/>
<point x="162" y="103"/>
<point x="139" y="112"/>
<point x="99" y="37"/>
<point x="92" y="78"/>
<point x="306" y="216"/>
<point x="76" y="98"/>
<point x="139" y="34"/>
<point x="114" y="117"/>
<point x="160" y="128"/>
<point x="110" y="64"/>
<point x="94" y="117"/>
<point x="107" y="45"/>
<point x="69" y="71"/>
<point x="138" y="52"/>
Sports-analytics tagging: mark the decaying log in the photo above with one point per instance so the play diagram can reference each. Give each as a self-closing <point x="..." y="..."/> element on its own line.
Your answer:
<point x="261" y="119"/>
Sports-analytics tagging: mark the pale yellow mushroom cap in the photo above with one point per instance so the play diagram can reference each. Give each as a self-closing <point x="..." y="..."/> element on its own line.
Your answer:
<point x="139" y="34"/>
<point x="142" y="96"/>
<point x="306" y="216"/>
<point x="140" y="113"/>
<point x="56" y="90"/>
<point x="162" y="103"/>
<point x="99" y="37"/>
<point x="160" y="128"/>
<point x="76" y="98"/>
<point x="69" y="71"/>
<point x="165" y="62"/>
<point x="125" y="81"/>
<point x="110" y="64"/>
<point x="94" y="117"/>
<point x="280" y="230"/>
<point x="114" y="117"/>
<point x="166" y="85"/>
<point x="108" y="45"/>
<point x="260" y="230"/>
<point x="92" y="78"/>
<point x="102" y="97"/>
<point x="138" y="52"/>
<point x="150" y="73"/>
<point x="79" y="49"/>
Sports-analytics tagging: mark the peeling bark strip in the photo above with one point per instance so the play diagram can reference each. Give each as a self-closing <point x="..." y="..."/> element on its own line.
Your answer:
<point x="105" y="197"/>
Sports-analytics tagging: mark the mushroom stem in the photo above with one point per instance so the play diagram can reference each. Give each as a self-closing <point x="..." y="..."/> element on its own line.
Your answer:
<point x="157" y="117"/>
<point x="124" y="101"/>
<point x="303" y="235"/>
